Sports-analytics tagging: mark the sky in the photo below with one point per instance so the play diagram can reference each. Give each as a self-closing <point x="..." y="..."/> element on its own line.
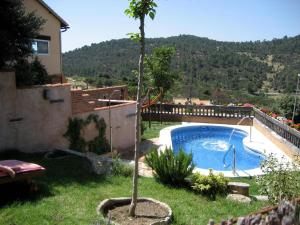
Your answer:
<point x="94" y="21"/>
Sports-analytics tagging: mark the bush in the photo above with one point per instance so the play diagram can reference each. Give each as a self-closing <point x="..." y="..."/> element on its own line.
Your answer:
<point x="39" y="73"/>
<point x="171" y="168"/>
<point x="119" y="169"/>
<point x="210" y="185"/>
<point x="28" y="74"/>
<point x="281" y="180"/>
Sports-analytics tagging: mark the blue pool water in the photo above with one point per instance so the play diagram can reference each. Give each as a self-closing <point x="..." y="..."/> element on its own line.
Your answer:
<point x="209" y="145"/>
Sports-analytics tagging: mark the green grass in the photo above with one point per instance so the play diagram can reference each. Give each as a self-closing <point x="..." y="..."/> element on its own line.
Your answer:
<point x="69" y="194"/>
<point x="153" y="132"/>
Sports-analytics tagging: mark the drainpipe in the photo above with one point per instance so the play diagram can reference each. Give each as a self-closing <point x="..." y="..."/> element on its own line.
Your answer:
<point x="63" y="29"/>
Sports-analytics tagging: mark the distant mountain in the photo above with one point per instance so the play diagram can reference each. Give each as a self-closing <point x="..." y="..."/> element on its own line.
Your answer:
<point x="204" y="64"/>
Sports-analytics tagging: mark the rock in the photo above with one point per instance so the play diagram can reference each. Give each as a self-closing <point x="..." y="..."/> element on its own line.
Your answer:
<point x="239" y="198"/>
<point x="211" y="222"/>
<point x="239" y="188"/>
<point x="241" y="221"/>
<point x="262" y="198"/>
<point x="101" y="165"/>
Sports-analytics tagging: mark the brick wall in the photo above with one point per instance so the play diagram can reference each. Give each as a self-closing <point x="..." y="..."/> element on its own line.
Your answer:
<point x="86" y="100"/>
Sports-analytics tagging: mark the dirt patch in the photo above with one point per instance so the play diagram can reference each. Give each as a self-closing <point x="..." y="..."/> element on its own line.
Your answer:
<point x="146" y="213"/>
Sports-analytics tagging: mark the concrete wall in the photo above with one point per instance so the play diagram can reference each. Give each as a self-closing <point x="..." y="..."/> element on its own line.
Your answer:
<point x="34" y="119"/>
<point x="287" y="147"/>
<point x="51" y="28"/>
<point x="122" y="123"/>
<point x="7" y="110"/>
<point x="30" y="122"/>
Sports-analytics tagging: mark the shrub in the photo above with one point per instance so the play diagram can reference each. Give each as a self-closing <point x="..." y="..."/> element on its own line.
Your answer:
<point x="39" y="73"/>
<point x="33" y="73"/>
<point x="281" y="180"/>
<point x="171" y="168"/>
<point x="119" y="169"/>
<point x="210" y="185"/>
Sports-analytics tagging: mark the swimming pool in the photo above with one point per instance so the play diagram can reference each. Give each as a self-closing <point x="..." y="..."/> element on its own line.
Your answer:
<point x="211" y="148"/>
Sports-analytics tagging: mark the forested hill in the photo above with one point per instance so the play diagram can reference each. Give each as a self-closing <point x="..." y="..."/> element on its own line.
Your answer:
<point x="204" y="64"/>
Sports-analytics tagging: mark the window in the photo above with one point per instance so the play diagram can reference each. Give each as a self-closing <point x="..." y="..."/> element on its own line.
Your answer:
<point x="40" y="47"/>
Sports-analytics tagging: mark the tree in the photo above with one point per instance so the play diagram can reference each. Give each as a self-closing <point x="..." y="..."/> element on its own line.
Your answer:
<point x="286" y="104"/>
<point x="16" y="30"/>
<point x="139" y="9"/>
<point x="158" y="67"/>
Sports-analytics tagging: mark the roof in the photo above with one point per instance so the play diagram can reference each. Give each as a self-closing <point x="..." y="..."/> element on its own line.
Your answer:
<point x="63" y="23"/>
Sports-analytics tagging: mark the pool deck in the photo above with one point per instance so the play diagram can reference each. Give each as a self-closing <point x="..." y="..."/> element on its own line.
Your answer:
<point x="257" y="140"/>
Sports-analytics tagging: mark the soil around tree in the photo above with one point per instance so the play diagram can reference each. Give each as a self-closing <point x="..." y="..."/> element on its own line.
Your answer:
<point x="147" y="212"/>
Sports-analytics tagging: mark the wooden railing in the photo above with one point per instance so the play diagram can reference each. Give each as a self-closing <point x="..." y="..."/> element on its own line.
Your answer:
<point x="199" y="111"/>
<point x="285" y="131"/>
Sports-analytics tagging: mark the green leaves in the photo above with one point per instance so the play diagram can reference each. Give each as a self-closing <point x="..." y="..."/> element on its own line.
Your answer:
<point x="281" y="179"/>
<point x="158" y="68"/>
<point x="98" y="145"/>
<point x="152" y="15"/>
<point x="210" y="185"/>
<point x="134" y="36"/>
<point x="171" y="168"/>
<point x="139" y="8"/>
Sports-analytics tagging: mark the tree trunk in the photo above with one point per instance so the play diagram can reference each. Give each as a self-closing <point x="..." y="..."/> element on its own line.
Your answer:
<point x="138" y="119"/>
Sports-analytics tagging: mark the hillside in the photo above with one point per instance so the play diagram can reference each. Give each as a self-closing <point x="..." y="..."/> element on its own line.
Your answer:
<point x="204" y="64"/>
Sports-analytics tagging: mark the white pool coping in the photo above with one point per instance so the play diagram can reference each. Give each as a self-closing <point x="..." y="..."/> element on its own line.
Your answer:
<point x="258" y="142"/>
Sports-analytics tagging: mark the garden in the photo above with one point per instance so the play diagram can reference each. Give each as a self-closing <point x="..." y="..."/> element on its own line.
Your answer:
<point x="69" y="192"/>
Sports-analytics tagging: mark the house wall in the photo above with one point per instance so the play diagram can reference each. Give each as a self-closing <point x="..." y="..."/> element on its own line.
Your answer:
<point x="33" y="121"/>
<point x="51" y="28"/>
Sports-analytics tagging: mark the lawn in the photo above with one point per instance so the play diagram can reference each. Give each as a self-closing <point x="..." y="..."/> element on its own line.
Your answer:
<point x="69" y="194"/>
<point x="156" y="126"/>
